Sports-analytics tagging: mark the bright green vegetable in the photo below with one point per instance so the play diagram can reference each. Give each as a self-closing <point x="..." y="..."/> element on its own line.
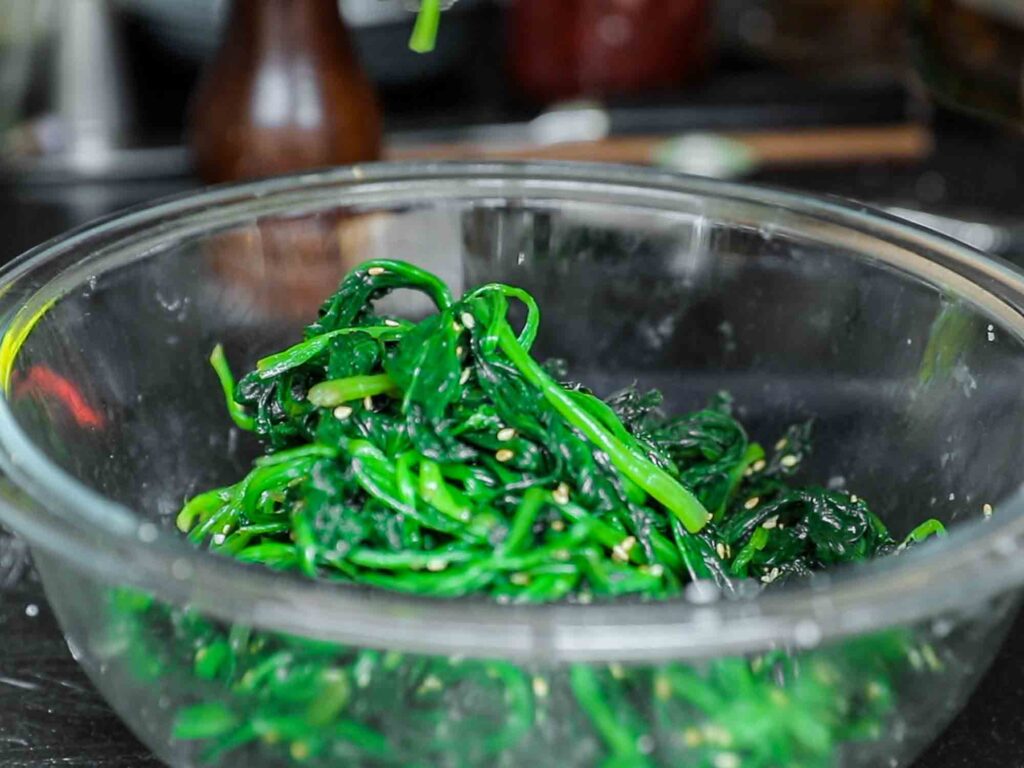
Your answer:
<point x="439" y="458"/>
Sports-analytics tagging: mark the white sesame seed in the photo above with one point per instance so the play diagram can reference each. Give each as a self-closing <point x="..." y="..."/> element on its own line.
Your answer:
<point x="657" y="570"/>
<point x="758" y="465"/>
<point x="727" y="760"/>
<point x="457" y="328"/>
<point x="789" y="460"/>
<point x="392" y="323"/>
<point x="781" y="444"/>
<point x="540" y="687"/>
<point x="645" y="744"/>
<point x="585" y="598"/>
<point x="691" y="735"/>
<point x="720" y="549"/>
<point x="458" y="351"/>
<point x="436" y="565"/>
<point x="716" y="734"/>
<point x="621" y="550"/>
<point x="506" y="434"/>
<point x="466" y="373"/>
<point x="374" y="271"/>
<point x="504" y="455"/>
<point x="342" y="412"/>
<point x="431" y="683"/>
<point x="561" y="494"/>
<point x="468" y="320"/>
<point x="616" y="670"/>
<point x="368" y="403"/>
<point x="770" y="523"/>
<point x="562" y="554"/>
<point x="218" y="539"/>
<point x="751" y="502"/>
<point x="558" y="525"/>
<point x="986" y="510"/>
<point x="519" y="579"/>
<point x="930" y="657"/>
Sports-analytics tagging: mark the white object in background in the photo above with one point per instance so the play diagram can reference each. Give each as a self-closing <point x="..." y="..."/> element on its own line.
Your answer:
<point x="91" y="101"/>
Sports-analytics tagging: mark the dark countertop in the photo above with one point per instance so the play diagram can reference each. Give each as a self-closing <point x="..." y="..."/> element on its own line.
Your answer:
<point x="50" y="715"/>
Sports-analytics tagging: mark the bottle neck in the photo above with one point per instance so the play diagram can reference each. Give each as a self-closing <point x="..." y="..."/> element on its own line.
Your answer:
<point x="276" y="24"/>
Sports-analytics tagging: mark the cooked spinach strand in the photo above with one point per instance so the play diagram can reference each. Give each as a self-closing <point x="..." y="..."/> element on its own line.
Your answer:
<point x="440" y="458"/>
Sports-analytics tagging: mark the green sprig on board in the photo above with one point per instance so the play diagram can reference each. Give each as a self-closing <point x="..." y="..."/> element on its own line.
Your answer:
<point x="440" y="458"/>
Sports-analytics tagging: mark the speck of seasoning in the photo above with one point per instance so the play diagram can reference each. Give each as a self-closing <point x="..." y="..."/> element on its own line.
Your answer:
<point x="459" y="351"/>
<point x="727" y="760"/>
<point x="342" y="412"/>
<point x="752" y="502"/>
<point x="663" y="690"/>
<point x="391" y="323"/>
<point x="854" y="498"/>
<point x="952" y="497"/>
<point x="368" y="403"/>
<point x="720" y="549"/>
<point x="621" y="550"/>
<point x="299" y="750"/>
<point x="789" y="461"/>
<point x="617" y="670"/>
<point x="716" y="734"/>
<point x="520" y="579"/>
<point x="771" y="522"/>
<point x="558" y="525"/>
<point x="540" y="687"/>
<point x="645" y="744"/>
<point x="506" y="434"/>
<point x="31" y="610"/>
<point x="585" y="598"/>
<point x="758" y="465"/>
<point x="430" y="683"/>
<point x="781" y="444"/>
<point x="771" y="576"/>
<point x="218" y="539"/>
<point x="466" y="373"/>
<point x="456" y="327"/>
<point x="986" y="510"/>
<point x="468" y="320"/>
<point x="504" y="455"/>
<point x="562" y="554"/>
<point x="375" y="271"/>
<point x="436" y="565"/>
<point x="916" y="661"/>
<point x="561" y="495"/>
<point x="692" y="737"/>
<point x="657" y="570"/>
<point x="931" y="658"/>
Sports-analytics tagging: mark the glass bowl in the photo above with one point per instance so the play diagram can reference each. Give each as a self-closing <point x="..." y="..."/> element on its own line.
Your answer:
<point x="905" y="349"/>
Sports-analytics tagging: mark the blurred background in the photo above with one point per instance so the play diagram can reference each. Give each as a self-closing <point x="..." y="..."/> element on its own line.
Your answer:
<point x="916" y="106"/>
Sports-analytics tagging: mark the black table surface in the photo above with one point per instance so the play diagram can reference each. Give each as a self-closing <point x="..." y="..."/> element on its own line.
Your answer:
<point x="50" y="715"/>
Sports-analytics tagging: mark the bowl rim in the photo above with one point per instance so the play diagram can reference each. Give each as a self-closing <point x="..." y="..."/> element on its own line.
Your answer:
<point x="67" y="522"/>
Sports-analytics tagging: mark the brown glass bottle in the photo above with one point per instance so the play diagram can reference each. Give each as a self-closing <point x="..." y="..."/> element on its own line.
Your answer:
<point x="284" y="93"/>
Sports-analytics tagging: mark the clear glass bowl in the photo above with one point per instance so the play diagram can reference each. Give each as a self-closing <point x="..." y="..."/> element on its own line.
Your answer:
<point x="904" y="347"/>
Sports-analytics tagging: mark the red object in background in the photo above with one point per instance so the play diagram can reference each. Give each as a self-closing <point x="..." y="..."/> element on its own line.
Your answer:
<point x="566" y="48"/>
<point x="44" y="381"/>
